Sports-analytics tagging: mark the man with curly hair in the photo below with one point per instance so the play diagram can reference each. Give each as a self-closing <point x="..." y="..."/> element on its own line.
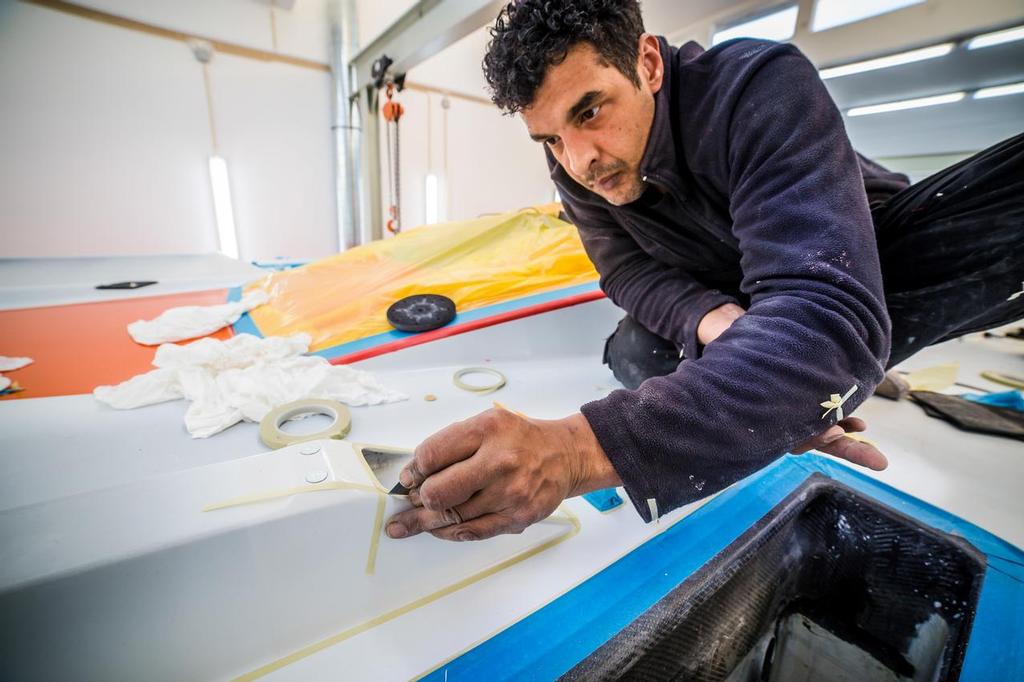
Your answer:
<point x="719" y="197"/>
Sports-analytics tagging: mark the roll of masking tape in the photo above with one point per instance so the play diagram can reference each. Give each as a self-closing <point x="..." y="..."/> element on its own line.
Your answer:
<point x="499" y="380"/>
<point x="270" y="426"/>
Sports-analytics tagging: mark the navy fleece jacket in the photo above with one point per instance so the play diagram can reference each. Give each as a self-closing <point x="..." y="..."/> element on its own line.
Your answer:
<point x="761" y="201"/>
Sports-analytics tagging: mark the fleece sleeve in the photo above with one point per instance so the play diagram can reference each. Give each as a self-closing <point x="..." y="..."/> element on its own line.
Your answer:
<point x="815" y="337"/>
<point x="663" y="299"/>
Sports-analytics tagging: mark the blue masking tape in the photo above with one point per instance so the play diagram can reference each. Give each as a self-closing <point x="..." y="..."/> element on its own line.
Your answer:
<point x="603" y="500"/>
<point x="245" y="324"/>
<point x="555" y="638"/>
<point x="1011" y="399"/>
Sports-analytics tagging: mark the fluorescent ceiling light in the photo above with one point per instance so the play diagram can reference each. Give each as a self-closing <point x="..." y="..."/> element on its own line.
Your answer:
<point x="831" y="13"/>
<point x="432" y="197"/>
<point x="997" y="38"/>
<point x="907" y="104"/>
<point x="226" y="234"/>
<point x="1000" y="90"/>
<point x="778" y="25"/>
<point x="891" y="60"/>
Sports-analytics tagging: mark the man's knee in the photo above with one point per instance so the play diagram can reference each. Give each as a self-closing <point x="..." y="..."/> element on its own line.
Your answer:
<point x="636" y="354"/>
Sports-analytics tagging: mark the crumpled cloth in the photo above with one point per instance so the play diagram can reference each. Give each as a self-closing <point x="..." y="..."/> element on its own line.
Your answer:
<point x="242" y="378"/>
<point x="190" y="321"/>
<point x="9" y="364"/>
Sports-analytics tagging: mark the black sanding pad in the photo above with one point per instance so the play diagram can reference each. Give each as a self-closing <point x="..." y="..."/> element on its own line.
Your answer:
<point x="421" y="313"/>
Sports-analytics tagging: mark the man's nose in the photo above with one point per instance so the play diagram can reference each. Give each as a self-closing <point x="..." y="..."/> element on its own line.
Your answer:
<point x="580" y="154"/>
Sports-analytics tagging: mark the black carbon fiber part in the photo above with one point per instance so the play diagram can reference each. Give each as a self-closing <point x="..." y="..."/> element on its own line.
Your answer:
<point x="864" y="572"/>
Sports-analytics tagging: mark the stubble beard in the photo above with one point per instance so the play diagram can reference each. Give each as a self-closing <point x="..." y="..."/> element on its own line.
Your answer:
<point x="630" y="193"/>
<point x="631" y="185"/>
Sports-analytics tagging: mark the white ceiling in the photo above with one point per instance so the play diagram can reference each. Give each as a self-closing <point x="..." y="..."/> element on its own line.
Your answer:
<point x="962" y="127"/>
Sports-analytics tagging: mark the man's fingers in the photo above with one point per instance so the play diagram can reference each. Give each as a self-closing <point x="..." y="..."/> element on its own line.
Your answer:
<point x="824" y="438"/>
<point x="419" y="519"/>
<point x="415" y="521"/>
<point x="451" y="444"/>
<point x="481" y="528"/>
<point x="853" y="424"/>
<point x="857" y="452"/>
<point x="455" y="484"/>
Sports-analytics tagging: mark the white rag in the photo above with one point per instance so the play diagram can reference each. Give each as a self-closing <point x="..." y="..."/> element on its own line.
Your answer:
<point x="242" y="378"/>
<point x="190" y="321"/>
<point x="8" y="364"/>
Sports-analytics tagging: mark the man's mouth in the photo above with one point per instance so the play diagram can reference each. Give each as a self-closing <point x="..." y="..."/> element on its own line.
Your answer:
<point x="608" y="182"/>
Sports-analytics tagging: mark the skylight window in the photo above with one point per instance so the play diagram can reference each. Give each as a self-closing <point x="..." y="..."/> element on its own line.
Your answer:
<point x="779" y="25"/>
<point x="997" y="38"/>
<point x="831" y="13"/>
<point x="889" y="60"/>
<point x="1000" y="91"/>
<point x="901" y="105"/>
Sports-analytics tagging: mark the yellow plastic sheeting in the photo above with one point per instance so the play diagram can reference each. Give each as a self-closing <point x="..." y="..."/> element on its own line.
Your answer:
<point x="476" y="263"/>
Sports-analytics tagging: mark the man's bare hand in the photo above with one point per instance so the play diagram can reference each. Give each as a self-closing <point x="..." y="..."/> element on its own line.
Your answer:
<point x="713" y="324"/>
<point x="498" y="472"/>
<point x="834" y="441"/>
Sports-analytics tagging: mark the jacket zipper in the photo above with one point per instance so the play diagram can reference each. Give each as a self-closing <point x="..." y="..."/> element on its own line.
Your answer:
<point x="682" y="201"/>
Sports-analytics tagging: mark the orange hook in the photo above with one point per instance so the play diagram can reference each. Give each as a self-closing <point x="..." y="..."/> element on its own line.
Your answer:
<point x="392" y="228"/>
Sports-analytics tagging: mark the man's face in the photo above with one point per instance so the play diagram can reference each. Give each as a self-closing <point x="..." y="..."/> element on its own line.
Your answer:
<point x="596" y="121"/>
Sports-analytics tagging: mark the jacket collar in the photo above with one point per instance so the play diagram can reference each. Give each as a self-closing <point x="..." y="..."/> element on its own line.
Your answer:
<point x="658" y="164"/>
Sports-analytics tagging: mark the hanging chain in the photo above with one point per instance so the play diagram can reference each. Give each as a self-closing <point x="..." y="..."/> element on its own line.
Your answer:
<point x="398" y="182"/>
<point x="391" y="173"/>
<point x="392" y="114"/>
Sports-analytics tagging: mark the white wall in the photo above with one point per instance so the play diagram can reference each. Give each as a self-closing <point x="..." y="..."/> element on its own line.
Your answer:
<point x="105" y="134"/>
<point x="493" y="165"/>
<point x="300" y="31"/>
<point x="273" y="124"/>
<point x="502" y="169"/>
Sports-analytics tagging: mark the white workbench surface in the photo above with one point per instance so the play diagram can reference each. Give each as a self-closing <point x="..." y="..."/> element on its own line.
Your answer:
<point x="57" y="447"/>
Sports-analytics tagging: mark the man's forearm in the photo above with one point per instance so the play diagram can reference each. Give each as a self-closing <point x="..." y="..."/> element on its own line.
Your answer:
<point x="595" y="470"/>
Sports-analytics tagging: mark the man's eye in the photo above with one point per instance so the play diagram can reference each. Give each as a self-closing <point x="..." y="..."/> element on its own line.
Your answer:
<point x="552" y="141"/>
<point x="590" y="113"/>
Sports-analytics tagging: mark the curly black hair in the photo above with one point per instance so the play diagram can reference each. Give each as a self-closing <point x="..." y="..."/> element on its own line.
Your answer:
<point x="530" y="35"/>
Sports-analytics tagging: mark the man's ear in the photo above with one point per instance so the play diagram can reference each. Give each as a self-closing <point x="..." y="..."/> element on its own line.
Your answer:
<point x="651" y="68"/>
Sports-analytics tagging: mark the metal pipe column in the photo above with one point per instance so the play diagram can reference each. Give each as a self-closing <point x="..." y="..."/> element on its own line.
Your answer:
<point x="346" y="132"/>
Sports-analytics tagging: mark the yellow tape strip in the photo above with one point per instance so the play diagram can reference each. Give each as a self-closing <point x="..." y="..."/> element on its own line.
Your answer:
<point x="1004" y="379"/>
<point x="564" y="592"/>
<point x="570" y="520"/>
<point x="288" y="492"/>
<point x="501" y="406"/>
<point x="378" y="525"/>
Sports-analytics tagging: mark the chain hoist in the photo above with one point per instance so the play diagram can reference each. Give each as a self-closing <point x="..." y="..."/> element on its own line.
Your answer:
<point x="393" y="111"/>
